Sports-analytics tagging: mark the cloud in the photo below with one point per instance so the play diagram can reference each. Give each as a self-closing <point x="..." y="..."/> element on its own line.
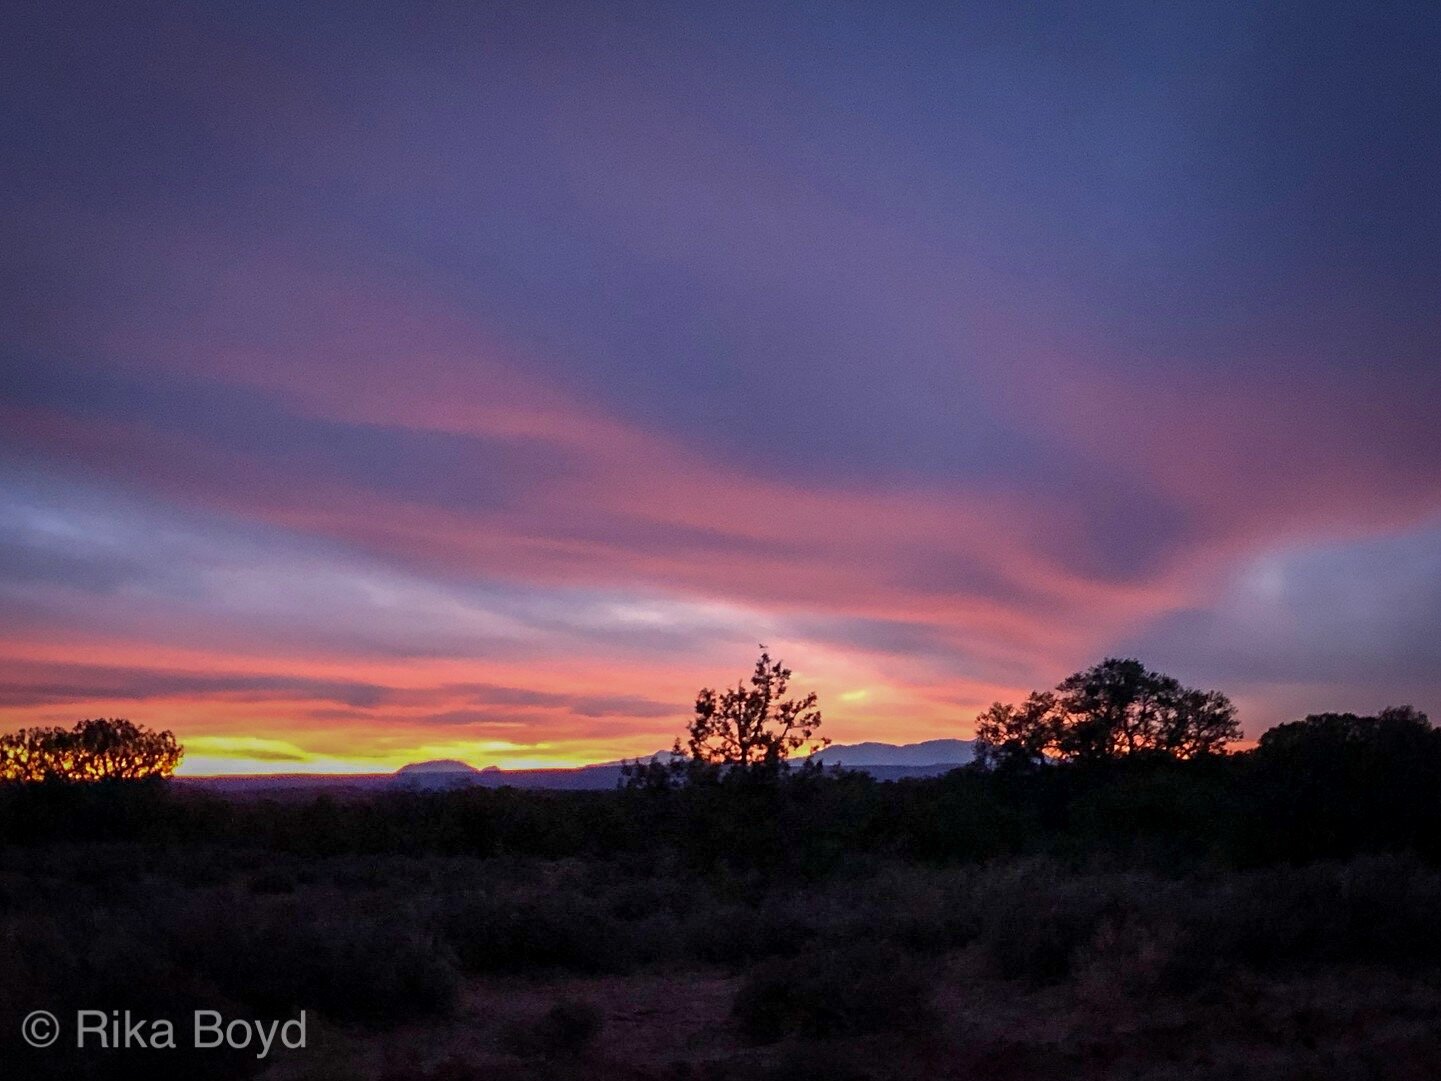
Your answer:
<point x="358" y="385"/>
<point x="1351" y="623"/>
<point x="35" y="684"/>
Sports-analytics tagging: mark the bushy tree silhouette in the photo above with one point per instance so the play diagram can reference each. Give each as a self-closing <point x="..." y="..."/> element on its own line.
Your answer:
<point x="1014" y="735"/>
<point x="1403" y="730"/>
<point x="755" y="725"/>
<point x="751" y="729"/>
<point x="1112" y="710"/>
<point x="1337" y="783"/>
<point x="94" y="750"/>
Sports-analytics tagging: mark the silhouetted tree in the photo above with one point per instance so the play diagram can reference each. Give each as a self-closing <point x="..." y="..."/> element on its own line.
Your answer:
<point x="750" y="728"/>
<point x="94" y="750"/>
<point x="1336" y="783"/>
<point x="1111" y="710"/>
<point x="753" y="725"/>
<point x="1015" y="735"/>
<point x="1402" y="728"/>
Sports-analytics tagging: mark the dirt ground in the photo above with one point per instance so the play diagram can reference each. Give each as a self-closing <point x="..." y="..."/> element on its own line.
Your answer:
<point x="1357" y="1025"/>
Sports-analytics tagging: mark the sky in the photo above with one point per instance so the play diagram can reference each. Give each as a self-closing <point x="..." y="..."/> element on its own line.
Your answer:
<point x="382" y="382"/>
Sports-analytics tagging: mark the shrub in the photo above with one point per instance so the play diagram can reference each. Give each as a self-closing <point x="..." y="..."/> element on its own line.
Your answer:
<point x="492" y="934"/>
<point x="861" y="989"/>
<point x="1378" y="910"/>
<point x="832" y="1061"/>
<point x="272" y="882"/>
<point x="453" y="1068"/>
<point x="350" y="966"/>
<point x="65" y="959"/>
<point x="569" y="1027"/>
<point x="1034" y="918"/>
<point x="740" y="934"/>
<point x="1136" y="958"/>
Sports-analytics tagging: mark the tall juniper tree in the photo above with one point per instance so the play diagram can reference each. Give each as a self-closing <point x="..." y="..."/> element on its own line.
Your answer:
<point x="752" y="728"/>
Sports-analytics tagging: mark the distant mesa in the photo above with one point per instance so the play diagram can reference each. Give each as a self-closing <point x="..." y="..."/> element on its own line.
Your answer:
<point x="438" y="766"/>
<point x="441" y="773"/>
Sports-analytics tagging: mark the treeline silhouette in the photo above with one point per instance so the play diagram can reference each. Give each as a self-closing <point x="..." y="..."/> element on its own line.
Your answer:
<point x="1332" y="785"/>
<point x="1104" y="853"/>
<point x="1116" y="759"/>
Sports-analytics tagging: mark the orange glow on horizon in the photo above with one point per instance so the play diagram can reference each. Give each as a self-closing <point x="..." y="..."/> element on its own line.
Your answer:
<point x="515" y="716"/>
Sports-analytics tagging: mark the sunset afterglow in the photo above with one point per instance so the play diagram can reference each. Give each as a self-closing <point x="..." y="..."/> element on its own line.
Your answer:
<point x="483" y="398"/>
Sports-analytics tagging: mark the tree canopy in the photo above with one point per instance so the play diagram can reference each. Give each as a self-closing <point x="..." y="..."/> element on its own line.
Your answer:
<point x="1109" y="711"/>
<point x="94" y="750"/>
<point x="1403" y="728"/>
<point x="753" y="727"/>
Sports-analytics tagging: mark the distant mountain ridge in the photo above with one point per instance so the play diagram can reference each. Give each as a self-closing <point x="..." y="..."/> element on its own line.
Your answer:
<point x="883" y="761"/>
<point x="931" y="752"/>
<point x="438" y="765"/>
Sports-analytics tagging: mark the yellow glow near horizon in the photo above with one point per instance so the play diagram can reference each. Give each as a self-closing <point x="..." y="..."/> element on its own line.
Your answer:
<point x="214" y="756"/>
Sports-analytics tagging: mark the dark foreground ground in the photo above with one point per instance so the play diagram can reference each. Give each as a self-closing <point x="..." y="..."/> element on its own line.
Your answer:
<point x="454" y="967"/>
